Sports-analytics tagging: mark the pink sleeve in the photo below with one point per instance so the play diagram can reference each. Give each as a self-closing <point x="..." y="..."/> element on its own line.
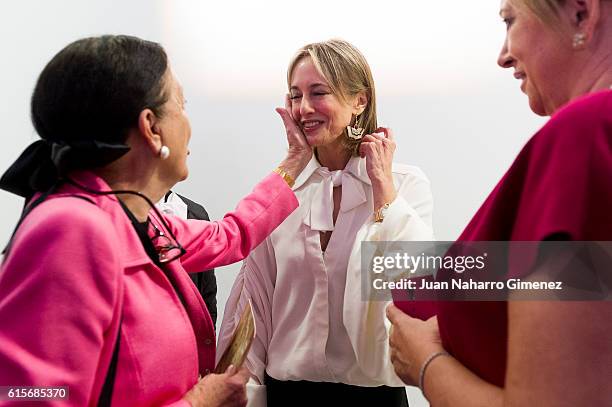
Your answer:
<point x="219" y="243"/>
<point x="59" y="287"/>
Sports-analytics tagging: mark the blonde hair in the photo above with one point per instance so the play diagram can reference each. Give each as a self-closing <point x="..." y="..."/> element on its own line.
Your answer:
<point x="546" y="10"/>
<point x="347" y="72"/>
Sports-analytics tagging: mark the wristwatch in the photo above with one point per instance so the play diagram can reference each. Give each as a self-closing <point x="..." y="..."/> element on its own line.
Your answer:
<point x="380" y="214"/>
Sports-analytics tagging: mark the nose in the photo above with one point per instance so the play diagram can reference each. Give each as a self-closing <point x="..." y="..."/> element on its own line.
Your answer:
<point x="505" y="59"/>
<point x="305" y="106"/>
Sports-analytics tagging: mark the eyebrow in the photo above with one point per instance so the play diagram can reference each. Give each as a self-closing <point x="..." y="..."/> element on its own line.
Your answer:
<point x="314" y="85"/>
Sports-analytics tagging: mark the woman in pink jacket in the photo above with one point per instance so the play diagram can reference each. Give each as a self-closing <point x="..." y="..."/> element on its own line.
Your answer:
<point x="93" y="293"/>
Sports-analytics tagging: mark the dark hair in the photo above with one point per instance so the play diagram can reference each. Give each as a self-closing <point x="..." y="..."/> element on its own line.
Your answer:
<point x="95" y="88"/>
<point x="85" y="101"/>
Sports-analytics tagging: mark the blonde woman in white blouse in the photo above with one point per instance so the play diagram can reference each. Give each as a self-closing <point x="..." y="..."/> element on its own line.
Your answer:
<point x="317" y="341"/>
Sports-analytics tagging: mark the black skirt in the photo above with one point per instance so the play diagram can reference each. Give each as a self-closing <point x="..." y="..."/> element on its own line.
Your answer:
<point x="322" y="394"/>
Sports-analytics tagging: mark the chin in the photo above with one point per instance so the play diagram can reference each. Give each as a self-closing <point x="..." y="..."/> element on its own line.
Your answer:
<point x="536" y="106"/>
<point x="314" y="141"/>
<point x="322" y="139"/>
<point x="538" y="109"/>
<point x="181" y="174"/>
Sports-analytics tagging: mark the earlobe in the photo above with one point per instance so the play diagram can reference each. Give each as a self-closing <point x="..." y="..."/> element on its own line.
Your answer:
<point x="358" y="111"/>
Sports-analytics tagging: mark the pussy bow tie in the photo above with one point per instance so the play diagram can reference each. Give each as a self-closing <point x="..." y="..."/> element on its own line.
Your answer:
<point x="320" y="216"/>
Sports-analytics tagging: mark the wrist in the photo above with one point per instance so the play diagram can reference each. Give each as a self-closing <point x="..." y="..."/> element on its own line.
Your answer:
<point x="425" y="365"/>
<point x="295" y="162"/>
<point x="381" y="177"/>
<point x="285" y="176"/>
<point x="383" y="193"/>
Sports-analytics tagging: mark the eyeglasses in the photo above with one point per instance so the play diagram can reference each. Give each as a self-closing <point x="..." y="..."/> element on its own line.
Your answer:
<point x="167" y="247"/>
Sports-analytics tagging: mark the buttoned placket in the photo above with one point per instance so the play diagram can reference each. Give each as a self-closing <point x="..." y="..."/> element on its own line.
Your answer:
<point x="317" y="218"/>
<point x="319" y="270"/>
<point x="326" y="260"/>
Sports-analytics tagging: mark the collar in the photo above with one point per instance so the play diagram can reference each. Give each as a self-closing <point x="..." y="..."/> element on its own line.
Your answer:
<point x="356" y="166"/>
<point x="172" y="204"/>
<point x="89" y="180"/>
<point x="133" y="253"/>
<point x="318" y="215"/>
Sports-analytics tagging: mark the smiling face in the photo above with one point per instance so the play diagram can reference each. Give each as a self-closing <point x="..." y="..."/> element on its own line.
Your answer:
<point x="540" y="56"/>
<point x="321" y="114"/>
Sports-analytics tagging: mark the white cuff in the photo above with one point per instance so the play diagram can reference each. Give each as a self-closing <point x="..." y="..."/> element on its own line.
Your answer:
<point x="401" y="223"/>
<point x="256" y="394"/>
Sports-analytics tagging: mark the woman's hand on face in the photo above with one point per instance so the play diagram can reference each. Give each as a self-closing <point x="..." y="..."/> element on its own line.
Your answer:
<point x="299" y="152"/>
<point x="378" y="149"/>
<point x="226" y="389"/>
<point x="411" y="341"/>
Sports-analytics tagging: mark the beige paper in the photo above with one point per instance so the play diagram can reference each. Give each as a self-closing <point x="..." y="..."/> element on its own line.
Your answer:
<point x="239" y="345"/>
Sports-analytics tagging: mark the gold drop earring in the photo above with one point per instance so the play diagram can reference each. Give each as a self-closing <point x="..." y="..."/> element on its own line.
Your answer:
<point x="355" y="132"/>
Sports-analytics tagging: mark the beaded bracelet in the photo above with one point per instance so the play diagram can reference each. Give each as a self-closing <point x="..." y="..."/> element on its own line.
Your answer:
<point x="424" y="368"/>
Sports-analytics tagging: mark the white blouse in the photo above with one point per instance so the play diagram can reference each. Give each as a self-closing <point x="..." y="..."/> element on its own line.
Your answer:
<point x="311" y="321"/>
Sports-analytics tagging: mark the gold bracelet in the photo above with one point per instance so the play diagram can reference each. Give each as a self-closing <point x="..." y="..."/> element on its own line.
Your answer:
<point x="288" y="179"/>
<point x="379" y="215"/>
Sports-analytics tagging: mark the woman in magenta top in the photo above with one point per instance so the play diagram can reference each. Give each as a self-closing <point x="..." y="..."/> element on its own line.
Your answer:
<point x="93" y="290"/>
<point x="527" y="353"/>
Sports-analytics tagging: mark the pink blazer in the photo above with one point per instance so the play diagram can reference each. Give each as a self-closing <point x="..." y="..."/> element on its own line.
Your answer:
<point x="74" y="267"/>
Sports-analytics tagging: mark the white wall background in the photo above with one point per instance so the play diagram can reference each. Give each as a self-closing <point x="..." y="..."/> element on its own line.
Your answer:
<point x="454" y="112"/>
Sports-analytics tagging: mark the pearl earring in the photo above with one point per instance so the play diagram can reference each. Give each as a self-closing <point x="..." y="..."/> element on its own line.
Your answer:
<point x="164" y="152"/>
<point x="578" y="40"/>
